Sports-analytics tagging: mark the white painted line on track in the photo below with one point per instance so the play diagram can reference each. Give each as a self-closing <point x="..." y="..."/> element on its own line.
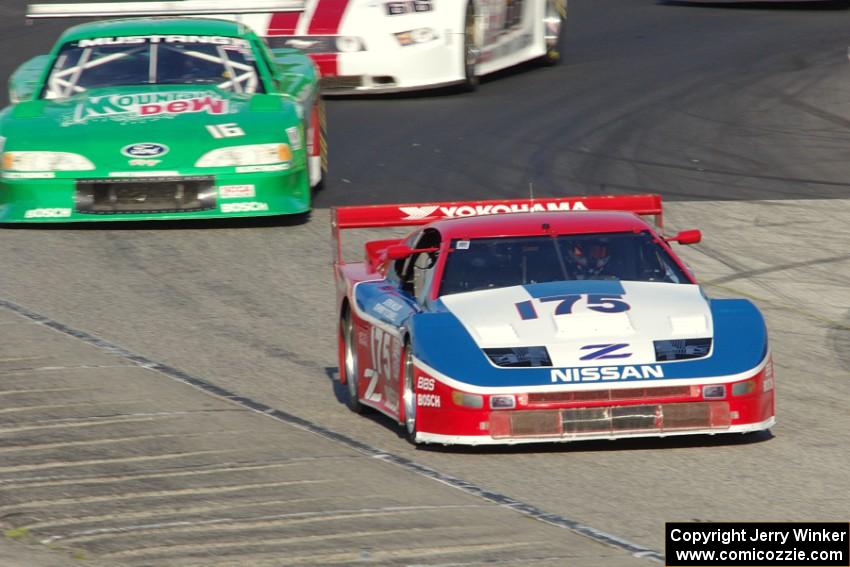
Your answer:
<point x="503" y="500"/>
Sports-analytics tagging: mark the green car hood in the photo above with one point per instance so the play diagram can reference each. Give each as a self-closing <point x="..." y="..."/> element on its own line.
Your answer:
<point x="102" y="124"/>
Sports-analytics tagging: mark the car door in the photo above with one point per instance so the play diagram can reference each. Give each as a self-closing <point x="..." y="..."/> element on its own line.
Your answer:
<point x="415" y="275"/>
<point x="387" y="305"/>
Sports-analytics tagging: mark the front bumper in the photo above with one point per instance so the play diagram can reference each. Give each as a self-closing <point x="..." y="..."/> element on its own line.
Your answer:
<point x="438" y="438"/>
<point x="174" y="197"/>
<point x="447" y="415"/>
<point x="393" y="68"/>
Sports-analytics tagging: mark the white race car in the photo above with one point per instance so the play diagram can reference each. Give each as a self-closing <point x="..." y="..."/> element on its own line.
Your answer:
<point x="366" y="46"/>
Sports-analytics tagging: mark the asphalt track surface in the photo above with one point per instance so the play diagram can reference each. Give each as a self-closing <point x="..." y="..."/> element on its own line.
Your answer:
<point x="738" y="115"/>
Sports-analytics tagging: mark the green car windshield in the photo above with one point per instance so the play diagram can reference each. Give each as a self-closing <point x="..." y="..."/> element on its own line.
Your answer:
<point x="225" y="62"/>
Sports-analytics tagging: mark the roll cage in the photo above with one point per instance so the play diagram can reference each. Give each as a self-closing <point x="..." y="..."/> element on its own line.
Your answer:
<point x="78" y="68"/>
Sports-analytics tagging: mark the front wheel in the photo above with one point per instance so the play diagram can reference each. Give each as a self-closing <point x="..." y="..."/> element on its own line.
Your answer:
<point x="349" y="362"/>
<point x="471" y="50"/>
<point x="409" y="394"/>
<point x="553" y="23"/>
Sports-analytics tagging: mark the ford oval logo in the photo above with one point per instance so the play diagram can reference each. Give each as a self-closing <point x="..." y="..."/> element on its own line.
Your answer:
<point x="144" y="150"/>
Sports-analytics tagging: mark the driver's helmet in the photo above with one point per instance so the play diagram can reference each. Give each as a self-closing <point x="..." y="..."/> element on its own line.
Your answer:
<point x="590" y="257"/>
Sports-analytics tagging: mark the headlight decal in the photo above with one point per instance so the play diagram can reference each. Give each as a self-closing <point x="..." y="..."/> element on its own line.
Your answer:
<point x="250" y="155"/>
<point x="45" y="161"/>
<point x="348" y="44"/>
<point x="416" y="37"/>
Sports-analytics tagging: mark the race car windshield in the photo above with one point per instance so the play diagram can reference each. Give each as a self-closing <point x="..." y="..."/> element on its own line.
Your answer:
<point x="485" y="263"/>
<point x="223" y="62"/>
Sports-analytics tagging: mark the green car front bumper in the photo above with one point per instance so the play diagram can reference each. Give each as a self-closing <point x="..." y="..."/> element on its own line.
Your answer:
<point x="155" y="197"/>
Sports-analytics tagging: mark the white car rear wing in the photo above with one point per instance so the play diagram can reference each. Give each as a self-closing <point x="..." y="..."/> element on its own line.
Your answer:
<point x="173" y="8"/>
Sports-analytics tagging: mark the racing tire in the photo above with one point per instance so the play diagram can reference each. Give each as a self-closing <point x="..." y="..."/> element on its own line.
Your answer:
<point x="348" y="362"/>
<point x="408" y="395"/>
<point x="553" y="24"/>
<point x="471" y="51"/>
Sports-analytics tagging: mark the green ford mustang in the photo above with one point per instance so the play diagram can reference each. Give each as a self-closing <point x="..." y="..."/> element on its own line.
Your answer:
<point x="160" y="118"/>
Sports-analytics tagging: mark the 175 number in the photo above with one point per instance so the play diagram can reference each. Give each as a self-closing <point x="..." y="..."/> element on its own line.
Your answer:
<point x="595" y="302"/>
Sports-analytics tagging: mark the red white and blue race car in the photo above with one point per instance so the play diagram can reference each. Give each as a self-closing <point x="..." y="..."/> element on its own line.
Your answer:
<point x="572" y="319"/>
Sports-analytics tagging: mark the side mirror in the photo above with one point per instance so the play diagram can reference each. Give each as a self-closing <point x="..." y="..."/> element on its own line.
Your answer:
<point x="686" y="237"/>
<point x="398" y="251"/>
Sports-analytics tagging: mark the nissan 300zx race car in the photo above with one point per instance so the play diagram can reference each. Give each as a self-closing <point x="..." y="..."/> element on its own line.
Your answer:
<point x="159" y="118"/>
<point x="571" y="320"/>
<point x="367" y="46"/>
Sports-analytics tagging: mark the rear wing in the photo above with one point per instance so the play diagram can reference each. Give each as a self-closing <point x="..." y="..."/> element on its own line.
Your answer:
<point x="172" y="8"/>
<point x="411" y="214"/>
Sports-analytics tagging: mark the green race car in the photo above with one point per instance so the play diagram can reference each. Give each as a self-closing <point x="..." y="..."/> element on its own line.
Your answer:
<point x="160" y="118"/>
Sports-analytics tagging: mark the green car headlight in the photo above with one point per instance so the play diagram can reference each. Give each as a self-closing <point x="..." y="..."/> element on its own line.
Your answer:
<point x="348" y="44"/>
<point x="255" y="154"/>
<point x="45" y="161"/>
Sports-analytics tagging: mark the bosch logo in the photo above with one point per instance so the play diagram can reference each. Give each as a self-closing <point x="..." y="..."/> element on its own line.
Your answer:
<point x="144" y="150"/>
<point x="244" y="207"/>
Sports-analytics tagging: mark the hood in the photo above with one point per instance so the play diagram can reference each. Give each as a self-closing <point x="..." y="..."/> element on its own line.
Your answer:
<point x="101" y="124"/>
<point x="585" y="323"/>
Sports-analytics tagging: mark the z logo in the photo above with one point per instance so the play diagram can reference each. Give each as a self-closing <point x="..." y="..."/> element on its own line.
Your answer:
<point x="604" y="352"/>
<point x="370" y="393"/>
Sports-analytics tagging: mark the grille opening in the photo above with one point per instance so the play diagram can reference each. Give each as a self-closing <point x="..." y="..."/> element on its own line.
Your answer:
<point x="145" y="195"/>
<point x="621" y="394"/>
<point x="613" y="420"/>
<point x="341" y="82"/>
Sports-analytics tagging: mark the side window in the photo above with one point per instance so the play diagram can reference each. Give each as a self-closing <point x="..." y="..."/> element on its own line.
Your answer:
<point x="402" y="267"/>
<point x="418" y="270"/>
<point x="423" y="273"/>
